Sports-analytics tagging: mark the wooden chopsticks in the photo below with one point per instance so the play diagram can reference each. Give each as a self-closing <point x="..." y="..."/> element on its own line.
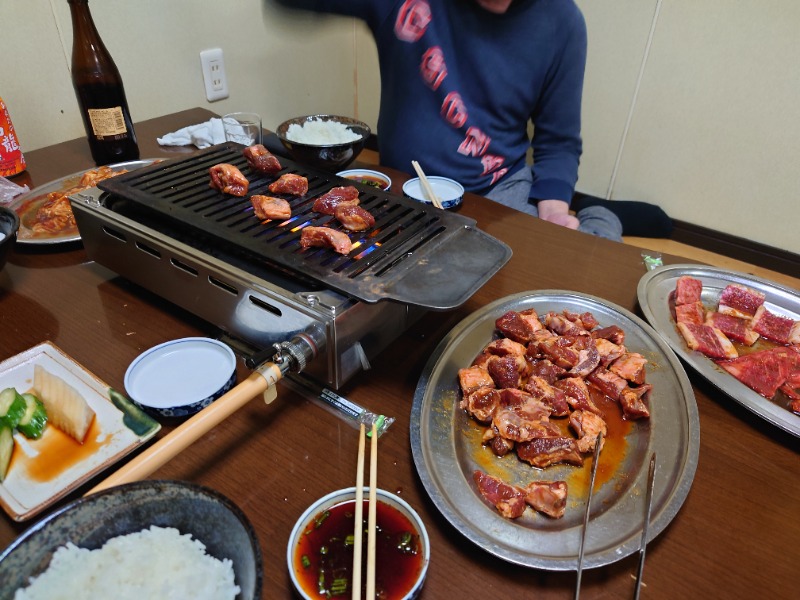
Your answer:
<point x="426" y="185"/>
<point x="372" y="515"/>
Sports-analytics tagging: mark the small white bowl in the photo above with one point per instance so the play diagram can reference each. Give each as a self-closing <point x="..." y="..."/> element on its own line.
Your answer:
<point x="181" y="377"/>
<point x="316" y="512"/>
<point x="368" y="177"/>
<point x="450" y="192"/>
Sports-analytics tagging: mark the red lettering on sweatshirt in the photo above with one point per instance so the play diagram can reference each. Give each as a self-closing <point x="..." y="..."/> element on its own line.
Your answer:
<point x="475" y="143"/>
<point x="433" y="68"/>
<point x="453" y="110"/>
<point x="491" y="162"/>
<point x="412" y="20"/>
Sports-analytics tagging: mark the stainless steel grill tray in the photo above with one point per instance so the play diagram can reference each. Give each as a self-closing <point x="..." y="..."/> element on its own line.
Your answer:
<point x="415" y="254"/>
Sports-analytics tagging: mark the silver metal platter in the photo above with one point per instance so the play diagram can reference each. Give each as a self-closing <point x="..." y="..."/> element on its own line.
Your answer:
<point x="26" y="205"/>
<point x="447" y="450"/>
<point x="654" y="290"/>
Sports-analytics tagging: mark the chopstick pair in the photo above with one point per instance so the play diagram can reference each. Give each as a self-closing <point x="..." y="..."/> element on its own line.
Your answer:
<point x="372" y="515"/>
<point x="426" y="185"/>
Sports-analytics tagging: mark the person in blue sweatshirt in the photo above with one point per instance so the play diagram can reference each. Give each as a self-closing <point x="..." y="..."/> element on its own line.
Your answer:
<point x="460" y="82"/>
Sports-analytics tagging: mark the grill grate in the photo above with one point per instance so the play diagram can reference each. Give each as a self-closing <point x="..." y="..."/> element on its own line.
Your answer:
<point x="414" y="254"/>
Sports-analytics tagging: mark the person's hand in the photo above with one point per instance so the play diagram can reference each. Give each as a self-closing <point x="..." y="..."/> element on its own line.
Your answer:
<point x="557" y="211"/>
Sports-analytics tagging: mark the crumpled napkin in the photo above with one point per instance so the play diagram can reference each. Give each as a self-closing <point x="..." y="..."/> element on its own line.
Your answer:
<point x="10" y="190"/>
<point x="201" y="135"/>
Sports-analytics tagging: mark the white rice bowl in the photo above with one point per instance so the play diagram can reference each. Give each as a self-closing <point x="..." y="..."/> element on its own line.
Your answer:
<point x="319" y="132"/>
<point x="158" y="562"/>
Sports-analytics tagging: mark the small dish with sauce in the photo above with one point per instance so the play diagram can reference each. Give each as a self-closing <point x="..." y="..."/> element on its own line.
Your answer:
<point x="321" y="544"/>
<point x="368" y="177"/>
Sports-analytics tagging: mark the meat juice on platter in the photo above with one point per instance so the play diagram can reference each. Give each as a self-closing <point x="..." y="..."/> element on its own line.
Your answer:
<point x="323" y="558"/>
<point x="545" y="389"/>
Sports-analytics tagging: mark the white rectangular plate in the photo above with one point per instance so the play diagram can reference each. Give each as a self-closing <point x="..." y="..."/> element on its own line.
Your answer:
<point x="43" y="471"/>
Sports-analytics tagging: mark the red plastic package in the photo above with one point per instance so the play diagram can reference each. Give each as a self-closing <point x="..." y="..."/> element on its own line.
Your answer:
<point x="11" y="159"/>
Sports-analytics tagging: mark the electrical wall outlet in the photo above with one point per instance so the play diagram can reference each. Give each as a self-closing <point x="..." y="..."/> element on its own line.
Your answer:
<point x="214" y="74"/>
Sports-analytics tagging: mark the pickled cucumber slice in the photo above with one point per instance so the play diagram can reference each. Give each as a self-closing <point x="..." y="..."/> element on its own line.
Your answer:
<point x="12" y="407"/>
<point x="32" y="423"/>
<point x="6" y="448"/>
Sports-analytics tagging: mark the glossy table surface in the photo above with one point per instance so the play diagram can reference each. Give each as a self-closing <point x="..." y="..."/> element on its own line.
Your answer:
<point x="736" y="535"/>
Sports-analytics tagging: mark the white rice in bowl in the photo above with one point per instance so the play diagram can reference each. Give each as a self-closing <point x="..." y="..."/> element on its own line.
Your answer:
<point x="318" y="132"/>
<point x="158" y="562"/>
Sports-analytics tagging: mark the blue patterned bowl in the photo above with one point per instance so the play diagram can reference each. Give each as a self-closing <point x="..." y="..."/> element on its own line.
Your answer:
<point x="181" y="377"/>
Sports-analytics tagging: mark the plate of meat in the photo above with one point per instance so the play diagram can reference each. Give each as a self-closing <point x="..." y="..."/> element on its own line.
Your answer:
<point x="45" y="214"/>
<point x="740" y="332"/>
<point x="506" y="416"/>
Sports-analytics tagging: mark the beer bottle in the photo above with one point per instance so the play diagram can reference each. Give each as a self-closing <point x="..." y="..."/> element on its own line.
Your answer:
<point x="101" y="96"/>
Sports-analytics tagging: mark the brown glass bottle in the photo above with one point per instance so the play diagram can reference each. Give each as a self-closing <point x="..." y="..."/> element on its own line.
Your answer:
<point x="101" y="96"/>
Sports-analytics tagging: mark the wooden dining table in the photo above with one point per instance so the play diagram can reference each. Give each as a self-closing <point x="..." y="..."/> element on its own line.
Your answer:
<point x="737" y="535"/>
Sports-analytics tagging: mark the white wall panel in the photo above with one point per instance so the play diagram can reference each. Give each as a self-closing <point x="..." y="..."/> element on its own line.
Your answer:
<point x="714" y="137"/>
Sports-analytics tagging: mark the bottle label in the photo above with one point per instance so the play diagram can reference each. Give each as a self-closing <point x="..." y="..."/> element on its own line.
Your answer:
<point x="107" y="121"/>
<point x="11" y="159"/>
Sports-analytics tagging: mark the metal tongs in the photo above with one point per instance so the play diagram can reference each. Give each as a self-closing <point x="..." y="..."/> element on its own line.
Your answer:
<point x="598" y="443"/>
<point x="651" y="474"/>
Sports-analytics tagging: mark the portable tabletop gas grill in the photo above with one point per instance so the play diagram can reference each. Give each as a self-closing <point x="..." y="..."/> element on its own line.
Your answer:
<point x="163" y="227"/>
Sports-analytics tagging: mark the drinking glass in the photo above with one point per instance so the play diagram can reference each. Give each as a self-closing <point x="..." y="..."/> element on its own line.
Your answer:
<point x="242" y="127"/>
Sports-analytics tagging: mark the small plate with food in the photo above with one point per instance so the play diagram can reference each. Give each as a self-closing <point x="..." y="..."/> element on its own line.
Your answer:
<point x="59" y="426"/>
<point x="510" y="406"/>
<point x="739" y="331"/>
<point x="45" y="213"/>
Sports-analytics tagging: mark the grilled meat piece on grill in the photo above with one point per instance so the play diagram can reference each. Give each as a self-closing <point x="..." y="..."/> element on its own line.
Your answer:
<point x="289" y="183"/>
<point x="267" y="207"/>
<point x="228" y="180"/>
<point x="326" y="238"/>
<point x="261" y="159"/>
<point x="339" y="196"/>
<point x="354" y="218"/>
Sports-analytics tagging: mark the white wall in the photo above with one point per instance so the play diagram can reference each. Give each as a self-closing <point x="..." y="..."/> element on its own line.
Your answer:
<point x="707" y="129"/>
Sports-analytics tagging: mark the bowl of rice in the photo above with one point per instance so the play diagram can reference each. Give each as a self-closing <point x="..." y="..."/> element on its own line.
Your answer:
<point x="148" y="539"/>
<point x="326" y="142"/>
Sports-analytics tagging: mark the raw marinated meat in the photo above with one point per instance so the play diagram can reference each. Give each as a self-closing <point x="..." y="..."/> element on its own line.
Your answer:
<point x="556" y="399"/>
<point x="548" y="497"/>
<point x="515" y="327"/>
<point x="693" y="312"/>
<point x="262" y="160"/>
<point x="632" y="402"/>
<point x="472" y="378"/>
<point x="228" y="180"/>
<point x="354" y="218"/>
<point x="327" y="238"/>
<point x="509" y="500"/>
<point x="588" y="426"/>
<point x="688" y="290"/>
<point x="764" y="371"/>
<point x="707" y="340"/>
<point x="268" y="207"/>
<point x="630" y="366"/>
<point x="739" y="301"/>
<point x="776" y="327"/>
<point x="543" y="452"/>
<point x="481" y="404"/>
<point x="735" y="328"/>
<point x="344" y="195"/>
<point x="541" y="370"/>
<point x="289" y="183"/>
